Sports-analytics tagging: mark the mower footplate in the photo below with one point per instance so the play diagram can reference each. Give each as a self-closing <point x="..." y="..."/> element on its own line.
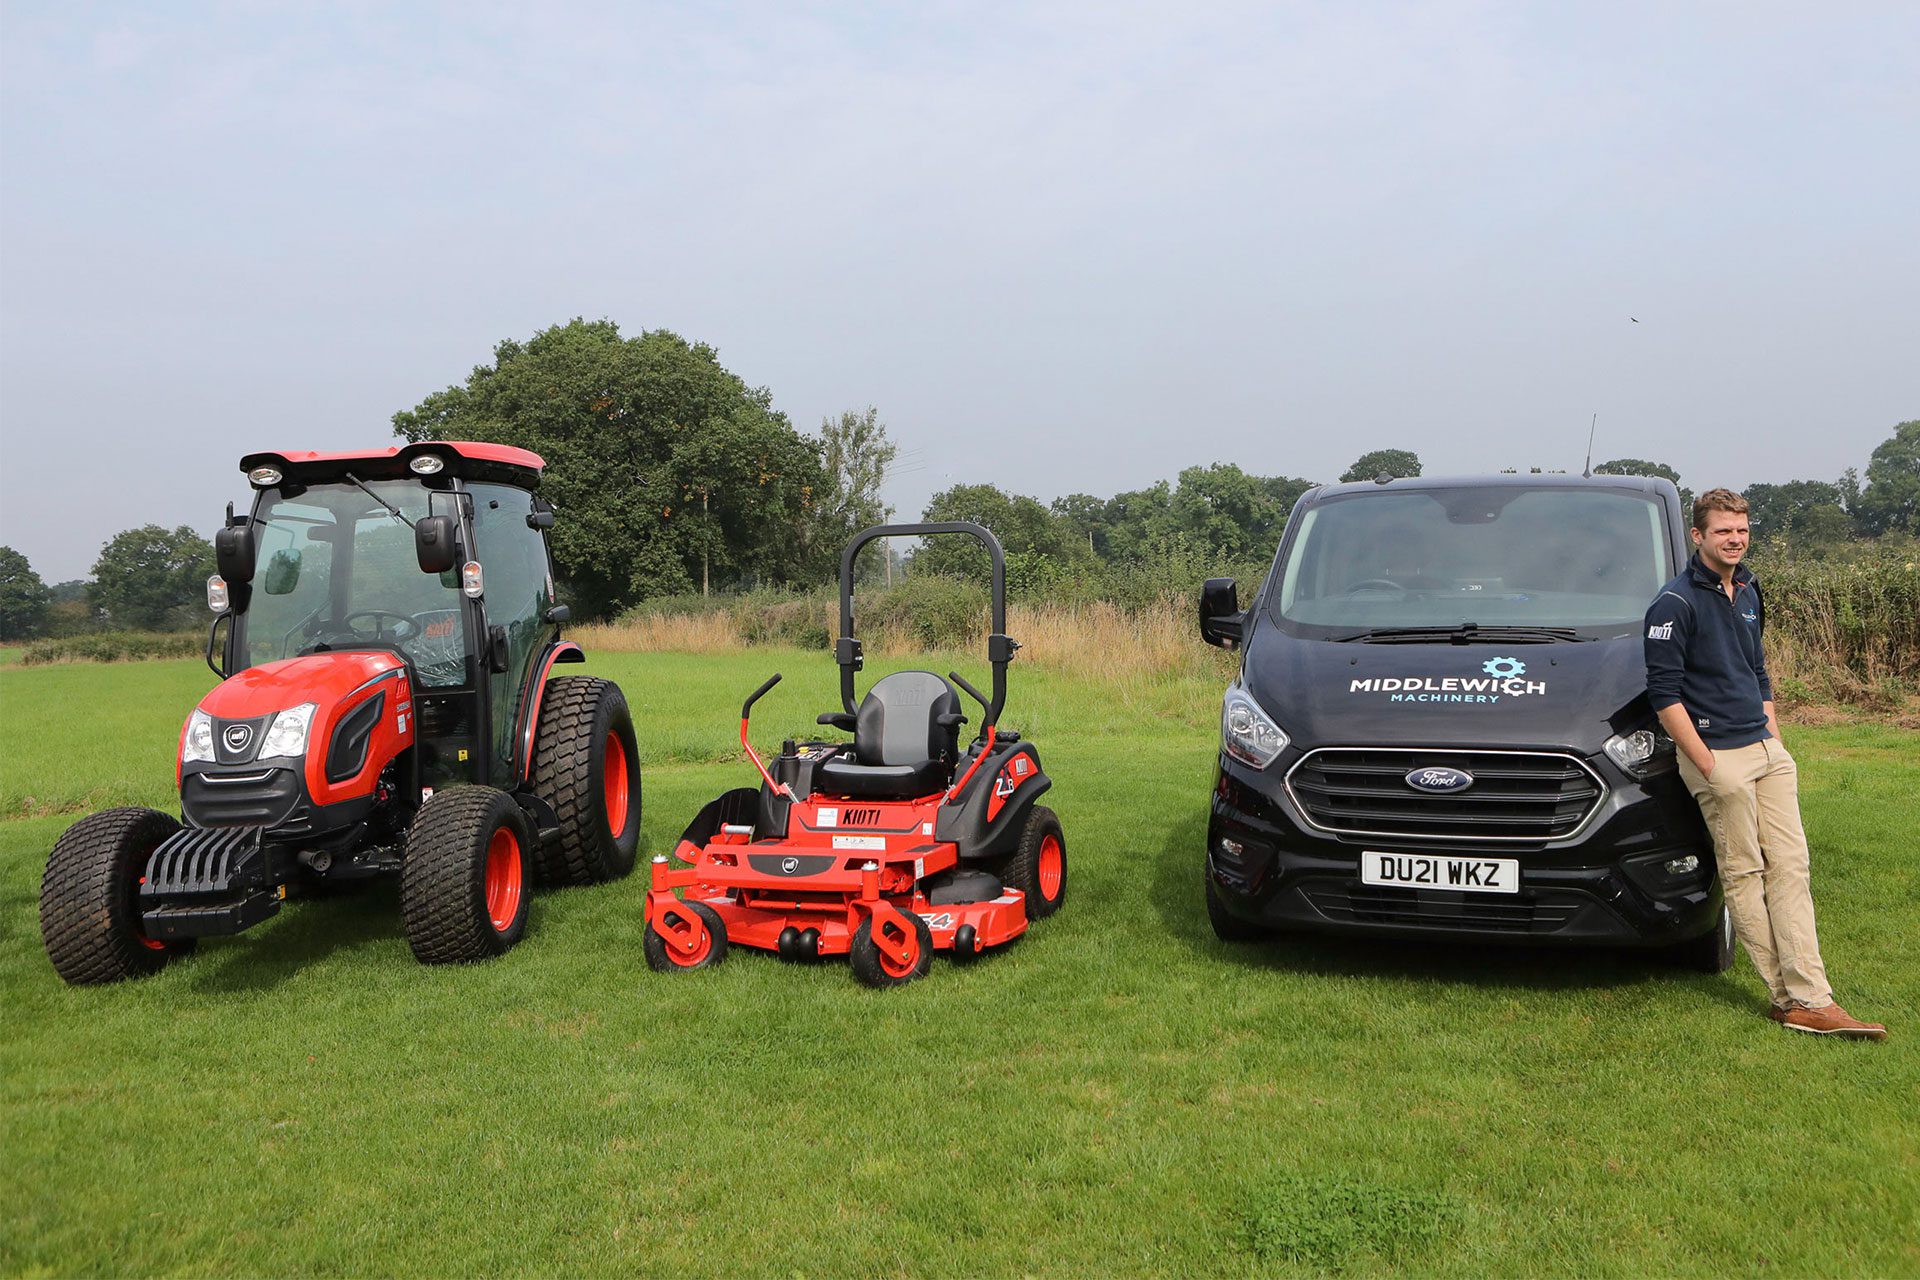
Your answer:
<point x="204" y="881"/>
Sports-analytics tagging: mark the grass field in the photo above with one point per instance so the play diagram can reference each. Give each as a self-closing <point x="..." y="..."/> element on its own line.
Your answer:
<point x="1116" y="1093"/>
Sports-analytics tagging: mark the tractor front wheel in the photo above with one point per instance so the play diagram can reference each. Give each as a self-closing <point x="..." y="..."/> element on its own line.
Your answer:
<point x="876" y="968"/>
<point x="90" y="898"/>
<point x="586" y="764"/>
<point x="465" y="882"/>
<point x="1038" y="868"/>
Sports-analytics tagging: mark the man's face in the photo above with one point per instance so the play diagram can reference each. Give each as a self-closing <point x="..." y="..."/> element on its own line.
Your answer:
<point x="1723" y="541"/>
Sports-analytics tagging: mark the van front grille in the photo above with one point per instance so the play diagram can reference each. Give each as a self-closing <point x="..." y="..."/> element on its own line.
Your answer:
<point x="1515" y="795"/>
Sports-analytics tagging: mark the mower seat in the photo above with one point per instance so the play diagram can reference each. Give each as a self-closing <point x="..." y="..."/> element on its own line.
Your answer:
<point x="905" y="740"/>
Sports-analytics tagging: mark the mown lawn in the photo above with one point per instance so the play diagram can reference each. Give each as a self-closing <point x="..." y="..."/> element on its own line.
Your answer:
<point x="1116" y="1093"/>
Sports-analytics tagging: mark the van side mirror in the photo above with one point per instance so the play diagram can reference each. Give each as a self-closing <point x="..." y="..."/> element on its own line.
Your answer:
<point x="1221" y="622"/>
<point x="233" y="552"/>
<point x="433" y="543"/>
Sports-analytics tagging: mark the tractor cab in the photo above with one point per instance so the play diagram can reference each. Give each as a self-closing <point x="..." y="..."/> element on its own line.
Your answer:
<point x="384" y="630"/>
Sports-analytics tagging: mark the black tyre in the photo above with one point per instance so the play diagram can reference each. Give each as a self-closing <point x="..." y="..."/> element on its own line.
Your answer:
<point x="587" y="766"/>
<point x="1226" y="926"/>
<point x="709" y="948"/>
<point x="876" y="969"/>
<point x="1711" y="952"/>
<point x="90" y="898"/>
<point x="466" y="880"/>
<point x="1038" y="868"/>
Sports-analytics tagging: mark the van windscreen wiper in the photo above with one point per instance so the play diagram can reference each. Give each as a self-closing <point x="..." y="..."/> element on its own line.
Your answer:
<point x="1465" y="633"/>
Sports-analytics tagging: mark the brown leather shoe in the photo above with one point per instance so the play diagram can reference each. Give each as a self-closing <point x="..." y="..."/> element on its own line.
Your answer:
<point x="1832" y="1020"/>
<point x="1778" y="1012"/>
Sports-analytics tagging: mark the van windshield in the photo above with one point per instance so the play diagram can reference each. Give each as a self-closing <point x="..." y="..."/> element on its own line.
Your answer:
<point x="1491" y="555"/>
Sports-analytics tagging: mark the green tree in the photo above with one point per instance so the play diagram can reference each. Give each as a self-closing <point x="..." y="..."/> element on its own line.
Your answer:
<point x="1891" y="500"/>
<point x="23" y="597"/>
<point x="1040" y="545"/>
<point x="1653" y="471"/>
<point x="856" y="456"/>
<point x="1401" y="464"/>
<point x="151" y="578"/>
<point x="668" y="470"/>
<point x="1799" y="507"/>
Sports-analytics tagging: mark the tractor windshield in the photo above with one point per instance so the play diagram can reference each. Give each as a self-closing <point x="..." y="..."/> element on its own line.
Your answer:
<point x="337" y="571"/>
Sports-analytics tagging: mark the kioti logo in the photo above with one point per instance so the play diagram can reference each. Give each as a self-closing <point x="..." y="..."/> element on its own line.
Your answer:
<point x="860" y="817"/>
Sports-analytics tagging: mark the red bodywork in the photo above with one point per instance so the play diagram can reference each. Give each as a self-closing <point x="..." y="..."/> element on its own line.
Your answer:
<point x="336" y="683"/>
<point x="850" y="859"/>
<point x="465" y="448"/>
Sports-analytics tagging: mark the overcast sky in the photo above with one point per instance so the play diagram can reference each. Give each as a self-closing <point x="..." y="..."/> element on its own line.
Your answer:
<point x="1069" y="248"/>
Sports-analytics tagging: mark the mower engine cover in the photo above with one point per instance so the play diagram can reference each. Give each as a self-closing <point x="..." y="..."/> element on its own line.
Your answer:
<point x="298" y="734"/>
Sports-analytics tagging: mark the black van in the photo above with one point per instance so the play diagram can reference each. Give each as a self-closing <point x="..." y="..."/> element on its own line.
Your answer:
<point x="1440" y="727"/>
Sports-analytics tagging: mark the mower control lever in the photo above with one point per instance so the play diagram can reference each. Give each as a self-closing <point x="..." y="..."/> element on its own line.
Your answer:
<point x="978" y="697"/>
<point x="747" y="706"/>
<point x="836" y="720"/>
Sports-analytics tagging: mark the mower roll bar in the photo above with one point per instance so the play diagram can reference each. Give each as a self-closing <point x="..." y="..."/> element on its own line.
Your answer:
<point x="1000" y="646"/>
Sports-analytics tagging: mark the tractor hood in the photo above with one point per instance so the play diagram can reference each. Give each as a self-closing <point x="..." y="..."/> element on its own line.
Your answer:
<point x="324" y="679"/>
<point x="1568" y="696"/>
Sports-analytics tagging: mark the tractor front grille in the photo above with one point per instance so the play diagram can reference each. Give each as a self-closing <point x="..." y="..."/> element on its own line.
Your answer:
<point x="1516" y="795"/>
<point x="242" y="798"/>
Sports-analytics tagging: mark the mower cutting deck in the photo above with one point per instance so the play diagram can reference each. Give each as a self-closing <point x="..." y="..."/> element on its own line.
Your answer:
<point x="885" y="849"/>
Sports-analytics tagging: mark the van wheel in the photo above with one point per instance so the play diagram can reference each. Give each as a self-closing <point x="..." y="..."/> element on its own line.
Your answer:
<point x="1711" y="952"/>
<point x="1226" y="926"/>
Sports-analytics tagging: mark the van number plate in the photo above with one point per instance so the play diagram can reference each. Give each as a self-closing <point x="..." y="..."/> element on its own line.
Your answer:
<point x="1427" y="871"/>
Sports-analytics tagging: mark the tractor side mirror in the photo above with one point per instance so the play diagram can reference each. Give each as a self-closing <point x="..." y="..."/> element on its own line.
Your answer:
<point x="233" y="552"/>
<point x="1221" y="622"/>
<point x="558" y="613"/>
<point x="433" y="543"/>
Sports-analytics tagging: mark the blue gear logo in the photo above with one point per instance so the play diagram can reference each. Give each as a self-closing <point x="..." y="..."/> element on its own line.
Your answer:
<point x="1505" y="668"/>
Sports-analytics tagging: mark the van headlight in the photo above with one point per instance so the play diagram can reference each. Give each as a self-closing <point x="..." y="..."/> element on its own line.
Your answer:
<point x="1642" y="753"/>
<point x="199" y="743"/>
<point x="1247" y="732"/>
<point x="287" y="735"/>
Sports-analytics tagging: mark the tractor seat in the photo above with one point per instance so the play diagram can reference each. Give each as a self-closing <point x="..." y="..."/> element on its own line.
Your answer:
<point x="901" y="747"/>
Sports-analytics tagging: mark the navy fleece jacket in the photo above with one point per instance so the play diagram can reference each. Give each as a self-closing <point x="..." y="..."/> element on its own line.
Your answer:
<point x="1703" y="651"/>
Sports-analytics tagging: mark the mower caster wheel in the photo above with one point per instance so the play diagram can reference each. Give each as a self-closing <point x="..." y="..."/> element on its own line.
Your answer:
<point x="90" y="898"/>
<point x="709" y="943"/>
<point x="1038" y="868"/>
<point x="465" y="881"/>
<point x="877" y="969"/>
<point x="966" y="944"/>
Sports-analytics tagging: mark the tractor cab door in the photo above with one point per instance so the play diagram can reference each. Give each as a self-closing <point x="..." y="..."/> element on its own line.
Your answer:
<point x="518" y="591"/>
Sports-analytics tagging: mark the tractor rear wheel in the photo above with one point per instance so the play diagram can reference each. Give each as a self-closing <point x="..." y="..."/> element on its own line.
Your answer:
<point x="1038" y="868"/>
<point x="90" y="898"/>
<point x="877" y="969"/>
<point x="587" y="766"/>
<point x="465" y="882"/>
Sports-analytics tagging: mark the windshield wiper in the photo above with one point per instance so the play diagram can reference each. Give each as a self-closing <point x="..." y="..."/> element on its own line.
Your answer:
<point x="391" y="509"/>
<point x="1465" y="633"/>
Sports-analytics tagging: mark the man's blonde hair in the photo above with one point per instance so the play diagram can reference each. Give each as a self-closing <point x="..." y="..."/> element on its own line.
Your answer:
<point x="1716" y="500"/>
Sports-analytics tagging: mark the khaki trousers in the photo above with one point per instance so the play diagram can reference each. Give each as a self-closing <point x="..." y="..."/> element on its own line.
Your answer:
<point x="1752" y="808"/>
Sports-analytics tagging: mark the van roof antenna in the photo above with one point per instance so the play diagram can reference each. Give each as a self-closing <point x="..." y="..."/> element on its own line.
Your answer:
<point x="1588" y="473"/>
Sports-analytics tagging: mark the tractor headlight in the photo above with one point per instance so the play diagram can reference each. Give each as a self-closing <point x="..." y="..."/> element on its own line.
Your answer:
<point x="1642" y="753"/>
<point x="1247" y="732"/>
<point x="287" y="735"/>
<point x="199" y="743"/>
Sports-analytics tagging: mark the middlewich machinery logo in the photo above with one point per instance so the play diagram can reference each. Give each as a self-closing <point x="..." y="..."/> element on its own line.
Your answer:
<point x="1499" y="678"/>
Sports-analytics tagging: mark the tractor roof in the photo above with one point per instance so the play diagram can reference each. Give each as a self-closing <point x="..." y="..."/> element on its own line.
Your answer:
<point x="467" y="459"/>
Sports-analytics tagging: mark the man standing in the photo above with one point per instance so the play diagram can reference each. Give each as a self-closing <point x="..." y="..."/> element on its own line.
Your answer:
<point x="1707" y="679"/>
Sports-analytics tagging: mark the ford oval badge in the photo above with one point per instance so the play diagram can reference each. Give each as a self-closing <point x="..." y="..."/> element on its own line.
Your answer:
<point x="1439" y="780"/>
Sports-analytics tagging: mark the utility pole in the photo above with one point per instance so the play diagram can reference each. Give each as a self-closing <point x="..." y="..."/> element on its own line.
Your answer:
<point x="706" y="546"/>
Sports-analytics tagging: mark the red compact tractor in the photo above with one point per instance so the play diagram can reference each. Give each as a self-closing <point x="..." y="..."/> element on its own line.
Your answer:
<point x="383" y="710"/>
<point x="885" y="849"/>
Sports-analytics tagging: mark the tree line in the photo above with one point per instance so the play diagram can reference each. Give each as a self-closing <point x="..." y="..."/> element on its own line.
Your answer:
<point x="674" y="476"/>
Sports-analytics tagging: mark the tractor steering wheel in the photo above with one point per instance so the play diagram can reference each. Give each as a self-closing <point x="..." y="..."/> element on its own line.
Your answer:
<point x="380" y="618"/>
<point x="1376" y="584"/>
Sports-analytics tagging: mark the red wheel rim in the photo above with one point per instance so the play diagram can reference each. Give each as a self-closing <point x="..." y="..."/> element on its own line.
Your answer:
<point x="1053" y="867"/>
<point x="503" y="879"/>
<point x="905" y="967"/>
<point x="701" y="948"/>
<point x="614" y="784"/>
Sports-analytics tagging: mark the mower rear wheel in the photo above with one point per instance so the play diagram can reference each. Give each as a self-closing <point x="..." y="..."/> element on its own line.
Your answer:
<point x="1038" y="868"/>
<point x="90" y="898"/>
<point x="586" y="764"/>
<point x="877" y="969"/>
<point x="465" y="882"/>
<point x="709" y="948"/>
